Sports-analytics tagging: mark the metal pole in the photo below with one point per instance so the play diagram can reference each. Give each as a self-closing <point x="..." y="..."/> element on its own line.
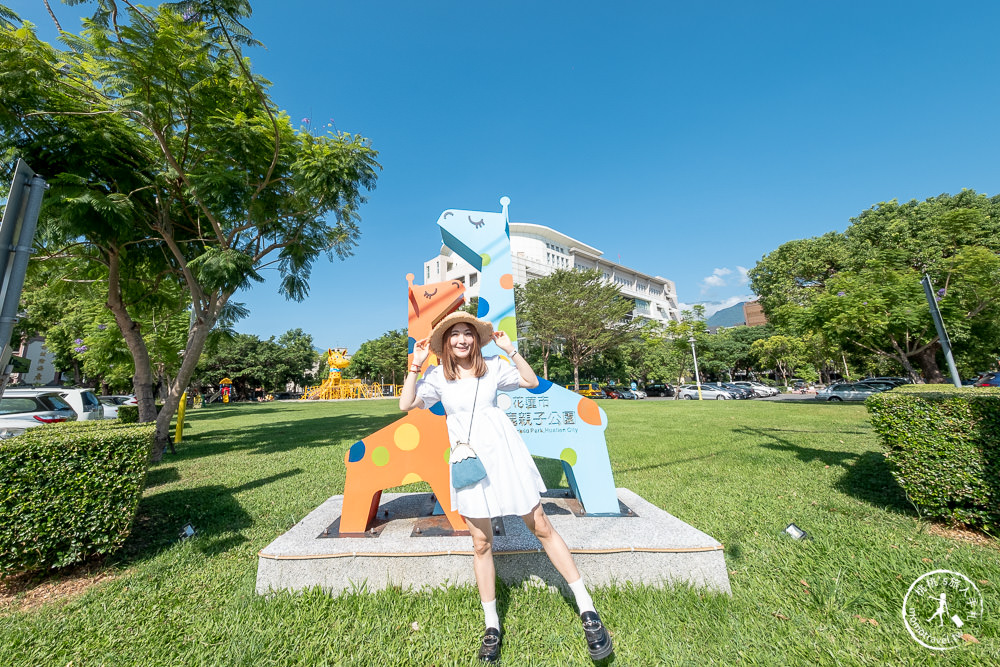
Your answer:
<point x="941" y="331"/>
<point x="697" y="377"/>
<point x="18" y="233"/>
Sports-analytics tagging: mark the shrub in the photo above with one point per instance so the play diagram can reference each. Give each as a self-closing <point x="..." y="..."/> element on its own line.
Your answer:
<point x="128" y="414"/>
<point x="943" y="447"/>
<point x="69" y="491"/>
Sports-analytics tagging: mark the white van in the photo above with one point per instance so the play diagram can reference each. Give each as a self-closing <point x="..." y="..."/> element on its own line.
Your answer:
<point x="83" y="401"/>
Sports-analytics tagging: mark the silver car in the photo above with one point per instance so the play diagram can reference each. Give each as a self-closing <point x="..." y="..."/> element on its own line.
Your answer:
<point x="19" y="413"/>
<point x="690" y="392"/>
<point x="849" y="391"/>
<point x="760" y="390"/>
<point x="83" y="401"/>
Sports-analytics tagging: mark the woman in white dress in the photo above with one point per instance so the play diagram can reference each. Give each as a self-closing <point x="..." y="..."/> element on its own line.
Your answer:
<point x="466" y="384"/>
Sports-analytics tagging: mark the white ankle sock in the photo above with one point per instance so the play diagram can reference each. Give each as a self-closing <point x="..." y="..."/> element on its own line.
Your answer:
<point x="490" y="610"/>
<point x="583" y="600"/>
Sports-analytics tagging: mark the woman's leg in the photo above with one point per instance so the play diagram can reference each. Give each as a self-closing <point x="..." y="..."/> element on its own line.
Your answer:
<point x="552" y="542"/>
<point x="599" y="642"/>
<point x="482" y="564"/>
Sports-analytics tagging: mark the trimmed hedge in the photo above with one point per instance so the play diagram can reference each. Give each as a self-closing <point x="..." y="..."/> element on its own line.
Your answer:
<point x="128" y="414"/>
<point x="69" y="491"/>
<point x="943" y="447"/>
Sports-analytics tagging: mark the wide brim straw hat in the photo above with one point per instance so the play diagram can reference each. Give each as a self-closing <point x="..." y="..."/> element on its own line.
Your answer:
<point x="483" y="328"/>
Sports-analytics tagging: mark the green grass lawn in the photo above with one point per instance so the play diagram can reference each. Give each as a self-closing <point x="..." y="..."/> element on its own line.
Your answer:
<point x="739" y="470"/>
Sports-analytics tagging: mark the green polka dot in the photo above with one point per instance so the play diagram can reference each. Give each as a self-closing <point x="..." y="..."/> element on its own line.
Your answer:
<point x="509" y="326"/>
<point x="568" y="455"/>
<point x="380" y="456"/>
<point x="447" y="454"/>
<point x="486" y="259"/>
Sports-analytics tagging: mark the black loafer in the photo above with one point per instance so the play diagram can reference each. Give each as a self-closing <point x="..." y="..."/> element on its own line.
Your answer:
<point x="490" y="649"/>
<point x="598" y="640"/>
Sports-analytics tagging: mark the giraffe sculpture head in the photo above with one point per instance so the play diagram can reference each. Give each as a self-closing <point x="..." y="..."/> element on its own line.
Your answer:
<point x="429" y="304"/>
<point x="483" y="240"/>
<point x="336" y="359"/>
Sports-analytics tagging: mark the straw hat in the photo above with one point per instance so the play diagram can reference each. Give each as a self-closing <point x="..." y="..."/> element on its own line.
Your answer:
<point x="483" y="328"/>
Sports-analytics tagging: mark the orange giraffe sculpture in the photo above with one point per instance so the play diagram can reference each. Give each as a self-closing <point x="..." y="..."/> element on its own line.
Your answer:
<point x="413" y="449"/>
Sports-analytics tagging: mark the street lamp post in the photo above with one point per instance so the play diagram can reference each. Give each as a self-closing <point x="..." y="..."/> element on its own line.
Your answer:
<point x="694" y="355"/>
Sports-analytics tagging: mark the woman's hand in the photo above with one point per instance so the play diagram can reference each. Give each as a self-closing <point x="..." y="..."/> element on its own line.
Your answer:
<point x="421" y="350"/>
<point x="503" y="342"/>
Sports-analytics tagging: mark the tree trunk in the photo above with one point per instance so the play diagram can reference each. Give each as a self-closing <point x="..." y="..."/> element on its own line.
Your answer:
<point x="927" y="360"/>
<point x="576" y="376"/>
<point x="197" y="336"/>
<point x="142" y="381"/>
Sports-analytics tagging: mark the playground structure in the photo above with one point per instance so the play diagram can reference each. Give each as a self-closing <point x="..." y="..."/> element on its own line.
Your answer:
<point x="335" y="387"/>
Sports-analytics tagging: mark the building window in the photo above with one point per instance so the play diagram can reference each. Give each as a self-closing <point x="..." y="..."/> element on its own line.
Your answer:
<point x="473" y="279"/>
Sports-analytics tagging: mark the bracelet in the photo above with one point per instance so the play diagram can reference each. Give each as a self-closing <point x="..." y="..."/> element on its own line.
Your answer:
<point x="515" y="352"/>
<point x="414" y="368"/>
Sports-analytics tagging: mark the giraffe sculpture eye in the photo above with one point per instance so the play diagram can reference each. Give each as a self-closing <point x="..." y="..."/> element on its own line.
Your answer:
<point x="477" y="223"/>
<point x="428" y="295"/>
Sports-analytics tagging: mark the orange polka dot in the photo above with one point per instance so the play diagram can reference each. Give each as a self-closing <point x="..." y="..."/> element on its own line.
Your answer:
<point x="507" y="281"/>
<point x="589" y="412"/>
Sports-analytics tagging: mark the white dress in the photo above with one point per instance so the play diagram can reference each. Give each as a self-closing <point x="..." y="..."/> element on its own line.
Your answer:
<point x="512" y="484"/>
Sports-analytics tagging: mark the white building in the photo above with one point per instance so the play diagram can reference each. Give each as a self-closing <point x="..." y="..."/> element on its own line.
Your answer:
<point x="537" y="251"/>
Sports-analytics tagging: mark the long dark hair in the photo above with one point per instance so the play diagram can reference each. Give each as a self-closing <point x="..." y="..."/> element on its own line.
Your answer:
<point x="449" y="363"/>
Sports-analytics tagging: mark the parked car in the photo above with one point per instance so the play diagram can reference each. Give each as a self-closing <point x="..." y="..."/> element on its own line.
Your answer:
<point x="83" y="401"/>
<point x="19" y="413"/>
<point x="988" y="380"/>
<point x="659" y="389"/>
<point x="690" y="392"/>
<point x="111" y="404"/>
<point x="639" y="393"/>
<point x="742" y="393"/>
<point x="611" y="392"/>
<point x="849" y="391"/>
<point x="587" y="389"/>
<point x="760" y="390"/>
<point x="627" y="394"/>
<point x="895" y="381"/>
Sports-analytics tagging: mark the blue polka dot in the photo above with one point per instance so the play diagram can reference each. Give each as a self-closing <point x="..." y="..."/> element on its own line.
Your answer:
<point x="484" y="308"/>
<point x="357" y="452"/>
<point x="410" y="342"/>
<point x="543" y="386"/>
<point x="437" y="409"/>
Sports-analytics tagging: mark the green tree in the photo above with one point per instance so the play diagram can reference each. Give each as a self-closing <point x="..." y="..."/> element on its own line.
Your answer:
<point x="383" y="358"/>
<point x="587" y="314"/>
<point x="782" y="353"/>
<point x="216" y="183"/>
<point x="861" y="290"/>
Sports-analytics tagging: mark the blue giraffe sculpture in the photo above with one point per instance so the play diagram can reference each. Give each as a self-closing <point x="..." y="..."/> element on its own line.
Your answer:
<point x="553" y="421"/>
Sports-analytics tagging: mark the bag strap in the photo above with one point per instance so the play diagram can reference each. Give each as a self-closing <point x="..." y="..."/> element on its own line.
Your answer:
<point x="468" y="438"/>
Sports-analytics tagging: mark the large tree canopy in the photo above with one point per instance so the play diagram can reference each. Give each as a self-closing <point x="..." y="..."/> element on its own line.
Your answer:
<point x="179" y="162"/>
<point x="577" y="310"/>
<point x="861" y="289"/>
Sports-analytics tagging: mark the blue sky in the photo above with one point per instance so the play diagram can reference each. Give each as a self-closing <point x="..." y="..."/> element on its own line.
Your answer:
<point x="688" y="138"/>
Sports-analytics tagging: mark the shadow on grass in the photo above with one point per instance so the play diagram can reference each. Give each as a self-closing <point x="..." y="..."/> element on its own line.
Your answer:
<point x="213" y="412"/>
<point x="282" y="436"/>
<point x="866" y="476"/>
<point x="212" y="510"/>
<point x="161" y="475"/>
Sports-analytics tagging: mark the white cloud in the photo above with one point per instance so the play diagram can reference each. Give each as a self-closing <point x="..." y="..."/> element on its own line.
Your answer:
<point x="712" y="307"/>
<point x="717" y="279"/>
<point x="743" y="277"/>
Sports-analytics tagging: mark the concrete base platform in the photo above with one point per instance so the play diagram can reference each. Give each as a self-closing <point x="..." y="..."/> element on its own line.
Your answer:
<point x="410" y="548"/>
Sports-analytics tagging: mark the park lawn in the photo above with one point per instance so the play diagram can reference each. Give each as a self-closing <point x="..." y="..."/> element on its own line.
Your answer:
<point x="738" y="470"/>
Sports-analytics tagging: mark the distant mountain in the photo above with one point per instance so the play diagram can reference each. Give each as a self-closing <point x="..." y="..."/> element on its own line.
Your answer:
<point x="727" y="317"/>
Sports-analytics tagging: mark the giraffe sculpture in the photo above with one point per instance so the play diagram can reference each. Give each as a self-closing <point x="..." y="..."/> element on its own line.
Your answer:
<point x="414" y="448"/>
<point x="553" y="421"/>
